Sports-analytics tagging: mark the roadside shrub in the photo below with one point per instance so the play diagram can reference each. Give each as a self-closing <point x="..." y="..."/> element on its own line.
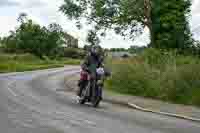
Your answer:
<point x="158" y="74"/>
<point x="1" y="49"/>
<point x="74" y="53"/>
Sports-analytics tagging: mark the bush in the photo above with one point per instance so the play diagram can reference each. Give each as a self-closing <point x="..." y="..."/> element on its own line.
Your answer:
<point x="158" y="74"/>
<point x="74" y="53"/>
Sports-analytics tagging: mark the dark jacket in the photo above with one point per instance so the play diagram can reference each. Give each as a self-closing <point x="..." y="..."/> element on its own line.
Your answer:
<point x="91" y="62"/>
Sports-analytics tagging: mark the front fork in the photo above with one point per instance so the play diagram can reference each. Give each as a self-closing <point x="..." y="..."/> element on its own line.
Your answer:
<point x="96" y="87"/>
<point x="99" y="88"/>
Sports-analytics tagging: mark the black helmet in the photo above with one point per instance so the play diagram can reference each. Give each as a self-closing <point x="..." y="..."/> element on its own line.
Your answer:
<point x="96" y="50"/>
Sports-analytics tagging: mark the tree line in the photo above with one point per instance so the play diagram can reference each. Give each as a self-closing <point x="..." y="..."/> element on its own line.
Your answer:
<point x="30" y="37"/>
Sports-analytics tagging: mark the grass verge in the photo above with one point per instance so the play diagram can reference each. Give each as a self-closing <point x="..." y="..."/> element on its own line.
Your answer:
<point x="158" y="75"/>
<point x="28" y="62"/>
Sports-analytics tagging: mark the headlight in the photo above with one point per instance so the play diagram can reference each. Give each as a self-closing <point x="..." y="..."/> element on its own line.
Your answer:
<point x="99" y="82"/>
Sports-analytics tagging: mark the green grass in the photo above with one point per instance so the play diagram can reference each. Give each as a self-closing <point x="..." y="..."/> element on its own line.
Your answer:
<point x="28" y="62"/>
<point x="158" y="75"/>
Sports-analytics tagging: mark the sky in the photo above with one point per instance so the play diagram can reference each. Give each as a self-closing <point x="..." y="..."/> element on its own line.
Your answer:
<point x="45" y="12"/>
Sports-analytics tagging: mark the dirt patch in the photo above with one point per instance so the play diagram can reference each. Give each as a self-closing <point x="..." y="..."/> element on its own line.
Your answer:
<point x="71" y="83"/>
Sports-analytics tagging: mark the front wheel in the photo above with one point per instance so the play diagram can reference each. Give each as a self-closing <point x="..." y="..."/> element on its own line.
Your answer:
<point x="98" y="97"/>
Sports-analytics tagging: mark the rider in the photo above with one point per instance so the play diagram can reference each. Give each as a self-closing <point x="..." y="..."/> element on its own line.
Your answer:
<point x="93" y="60"/>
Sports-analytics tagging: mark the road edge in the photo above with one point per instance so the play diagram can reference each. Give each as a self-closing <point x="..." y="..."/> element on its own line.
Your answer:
<point x="163" y="113"/>
<point x="136" y="107"/>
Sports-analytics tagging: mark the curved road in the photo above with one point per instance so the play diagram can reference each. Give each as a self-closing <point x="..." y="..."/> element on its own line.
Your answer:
<point x="31" y="102"/>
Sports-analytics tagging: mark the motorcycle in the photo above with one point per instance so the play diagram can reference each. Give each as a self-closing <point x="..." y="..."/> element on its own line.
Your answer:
<point x="92" y="92"/>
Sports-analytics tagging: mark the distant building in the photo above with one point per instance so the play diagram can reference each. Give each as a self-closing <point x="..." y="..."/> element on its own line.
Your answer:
<point x="69" y="41"/>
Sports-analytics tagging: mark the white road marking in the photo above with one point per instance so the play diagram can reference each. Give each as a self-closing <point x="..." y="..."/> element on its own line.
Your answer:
<point x="10" y="85"/>
<point x="90" y="122"/>
<point x="13" y="93"/>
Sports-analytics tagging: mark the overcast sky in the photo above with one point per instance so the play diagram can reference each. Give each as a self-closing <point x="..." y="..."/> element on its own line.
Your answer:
<point x="45" y="12"/>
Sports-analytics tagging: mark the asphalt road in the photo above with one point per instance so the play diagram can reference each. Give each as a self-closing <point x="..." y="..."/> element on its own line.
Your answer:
<point x="32" y="102"/>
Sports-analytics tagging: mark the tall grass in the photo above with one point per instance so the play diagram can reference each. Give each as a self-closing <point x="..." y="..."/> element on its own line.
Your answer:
<point x="159" y="75"/>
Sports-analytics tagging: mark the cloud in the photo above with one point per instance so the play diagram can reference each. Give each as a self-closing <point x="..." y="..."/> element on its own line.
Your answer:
<point x="195" y="7"/>
<point x="195" y="19"/>
<point x="8" y="24"/>
<point x="32" y="4"/>
<point x="8" y="3"/>
<point x="45" y="12"/>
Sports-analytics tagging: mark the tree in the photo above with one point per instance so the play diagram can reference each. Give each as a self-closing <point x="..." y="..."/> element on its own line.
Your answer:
<point x="53" y="39"/>
<point x="196" y="48"/>
<point x="170" y="24"/>
<point x="32" y="38"/>
<point x="9" y="43"/>
<point x="1" y="41"/>
<point x="22" y="17"/>
<point x="87" y="47"/>
<point x="92" y="38"/>
<point x="166" y="20"/>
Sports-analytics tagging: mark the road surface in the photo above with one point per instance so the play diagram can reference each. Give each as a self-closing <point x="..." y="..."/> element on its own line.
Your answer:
<point x="31" y="102"/>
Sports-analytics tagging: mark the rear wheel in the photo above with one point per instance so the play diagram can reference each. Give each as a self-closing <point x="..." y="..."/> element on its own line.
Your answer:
<point x="84" y="95"/>
<point x="82" y="99"/>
